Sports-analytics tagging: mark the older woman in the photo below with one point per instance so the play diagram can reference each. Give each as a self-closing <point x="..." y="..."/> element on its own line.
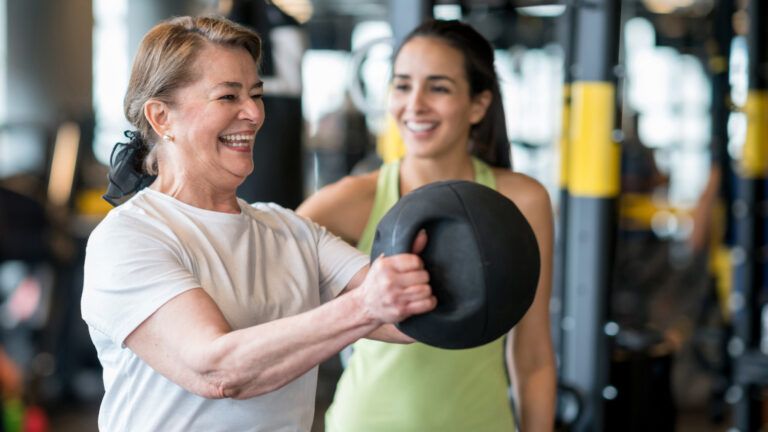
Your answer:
<point x="208" y="313"/>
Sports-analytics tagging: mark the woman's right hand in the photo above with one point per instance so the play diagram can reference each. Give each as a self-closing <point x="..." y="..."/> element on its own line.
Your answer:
<point x="397" y="286"/>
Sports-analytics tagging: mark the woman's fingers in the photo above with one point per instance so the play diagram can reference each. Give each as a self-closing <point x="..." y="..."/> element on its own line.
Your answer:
<point x="420" y="242"/>
<point x="416" y="277"/>
<point x="397" y="287"/>
<point x="403" y="262"/>
<point x="421" y="306"/>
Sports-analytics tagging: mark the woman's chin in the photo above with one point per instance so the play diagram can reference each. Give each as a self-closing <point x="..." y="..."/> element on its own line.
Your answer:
<point x="235" y="176"/>
<point x="421" y="150"/>
<point x="244" y="175"/>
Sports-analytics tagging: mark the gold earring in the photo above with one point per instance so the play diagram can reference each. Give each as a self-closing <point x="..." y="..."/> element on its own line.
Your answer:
<point x="168" y="137"/>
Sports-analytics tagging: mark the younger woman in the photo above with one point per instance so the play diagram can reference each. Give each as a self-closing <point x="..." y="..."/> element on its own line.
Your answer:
<point x="447" y="105"/>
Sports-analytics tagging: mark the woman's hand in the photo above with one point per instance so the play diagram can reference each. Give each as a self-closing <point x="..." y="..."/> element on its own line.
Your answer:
<point x="397" y="286"/>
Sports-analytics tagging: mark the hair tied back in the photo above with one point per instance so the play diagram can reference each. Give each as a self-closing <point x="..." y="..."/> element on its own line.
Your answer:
<point x="126" y="175"/>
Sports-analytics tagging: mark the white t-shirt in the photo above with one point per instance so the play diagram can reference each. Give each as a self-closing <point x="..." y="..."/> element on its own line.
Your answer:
<point x="260" y="265"/>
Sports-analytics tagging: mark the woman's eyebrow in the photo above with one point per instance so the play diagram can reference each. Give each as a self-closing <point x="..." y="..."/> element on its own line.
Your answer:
<point x="237" y="85"/>
<point x="429" y="77"/>
<point x="440" y="78"/>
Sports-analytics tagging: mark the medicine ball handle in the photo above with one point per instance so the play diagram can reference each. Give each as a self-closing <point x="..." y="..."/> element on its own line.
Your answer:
<point x="405" y="235"/>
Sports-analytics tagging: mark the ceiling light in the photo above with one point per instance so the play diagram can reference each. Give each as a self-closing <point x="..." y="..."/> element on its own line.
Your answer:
<point x="546" y="11"/>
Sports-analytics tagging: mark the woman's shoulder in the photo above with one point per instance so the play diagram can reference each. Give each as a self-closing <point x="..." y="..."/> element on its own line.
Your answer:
<point x="527" y="192"/>
<point x="360" y="186"/>
<point x="129" y="215"/>
<point x="127" y="229"/>
<point x="344" y="206"/>
<point x="350" y="190"/>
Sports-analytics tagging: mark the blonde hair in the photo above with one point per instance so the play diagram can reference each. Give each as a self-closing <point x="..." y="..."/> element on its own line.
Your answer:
<point x="164" y="61"/>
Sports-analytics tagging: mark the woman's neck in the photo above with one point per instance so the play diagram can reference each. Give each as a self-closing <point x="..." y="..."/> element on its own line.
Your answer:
<point x="197" y="193"/>
<point x="417" y="172"/>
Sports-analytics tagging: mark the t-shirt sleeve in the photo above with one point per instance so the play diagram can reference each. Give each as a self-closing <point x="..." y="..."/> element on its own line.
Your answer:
<point x="338" y="263"/>
<point x="131" y="270"/>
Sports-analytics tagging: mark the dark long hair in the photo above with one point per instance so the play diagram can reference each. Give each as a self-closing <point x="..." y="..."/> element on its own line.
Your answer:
<point x="488" y="138"/>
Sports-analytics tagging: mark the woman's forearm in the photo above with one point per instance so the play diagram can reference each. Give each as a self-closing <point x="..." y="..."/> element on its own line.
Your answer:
<point x="189" y="341"/>
<point x="536" y="395"/>
<point x="253" y="361"/>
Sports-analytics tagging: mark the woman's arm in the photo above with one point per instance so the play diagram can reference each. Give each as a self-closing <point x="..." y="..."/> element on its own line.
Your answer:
<point x="343" y="207"/>
<point x="530" y="354"/>
<point x="385" y="332"/>
<point x="388" y="332"/>
<point x="189" y="341"/>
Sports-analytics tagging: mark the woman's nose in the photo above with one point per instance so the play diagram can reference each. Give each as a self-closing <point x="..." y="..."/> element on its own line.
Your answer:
<point x="416" y="101"/>
<point x="253" y="110"/>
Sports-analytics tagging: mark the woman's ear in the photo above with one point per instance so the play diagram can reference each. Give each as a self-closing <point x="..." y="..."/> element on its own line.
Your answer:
<point x="479" y="107"/>
<point x="156" y="113"/>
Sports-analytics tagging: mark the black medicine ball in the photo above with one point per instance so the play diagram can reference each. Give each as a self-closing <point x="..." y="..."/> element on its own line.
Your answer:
<point x="481" y="255"/>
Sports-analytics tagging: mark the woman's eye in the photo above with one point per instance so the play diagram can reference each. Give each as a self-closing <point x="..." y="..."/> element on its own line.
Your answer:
<point x="257" y="96"/>
<point x="440" y="89"/>
<point x="229" y="97"/>
<point x="402" y="87"/>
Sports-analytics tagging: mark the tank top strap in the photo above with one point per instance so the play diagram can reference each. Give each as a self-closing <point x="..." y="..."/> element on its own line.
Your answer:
<point x="483" y="173"/>
<point x="387" y="194"/>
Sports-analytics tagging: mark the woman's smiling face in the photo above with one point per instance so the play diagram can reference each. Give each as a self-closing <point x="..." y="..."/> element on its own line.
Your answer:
<point x="431" y="99"/>
<point x="214" y="120"/>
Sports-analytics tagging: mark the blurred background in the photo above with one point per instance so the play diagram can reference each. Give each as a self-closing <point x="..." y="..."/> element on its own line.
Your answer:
<point x="645" y="119"/>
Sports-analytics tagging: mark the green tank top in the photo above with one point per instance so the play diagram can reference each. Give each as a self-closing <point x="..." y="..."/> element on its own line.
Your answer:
<point x="403" y="388"/>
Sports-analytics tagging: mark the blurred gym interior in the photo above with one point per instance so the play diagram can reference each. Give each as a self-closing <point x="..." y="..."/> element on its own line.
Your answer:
<point x="660" y="300"/>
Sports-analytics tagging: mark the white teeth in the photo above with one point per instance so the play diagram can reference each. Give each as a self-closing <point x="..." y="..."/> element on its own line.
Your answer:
<point x="420" y="126"/>
<point x="237" y="140"/>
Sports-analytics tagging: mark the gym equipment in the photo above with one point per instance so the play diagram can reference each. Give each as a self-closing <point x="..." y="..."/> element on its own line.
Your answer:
<point x="481" y="255"/>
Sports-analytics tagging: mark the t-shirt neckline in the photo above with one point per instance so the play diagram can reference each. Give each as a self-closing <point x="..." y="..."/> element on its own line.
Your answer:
<point x="197" y="210"/>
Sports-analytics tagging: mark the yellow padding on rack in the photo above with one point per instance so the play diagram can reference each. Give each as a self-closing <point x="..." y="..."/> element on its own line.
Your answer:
<point x="723" y="272"/>
<point x="720" y="264"/>
<point x="389" y="144"/>
<point x="594" y="156"/>
<point x="636" y="210"/>
<point x="754" y="159"/>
